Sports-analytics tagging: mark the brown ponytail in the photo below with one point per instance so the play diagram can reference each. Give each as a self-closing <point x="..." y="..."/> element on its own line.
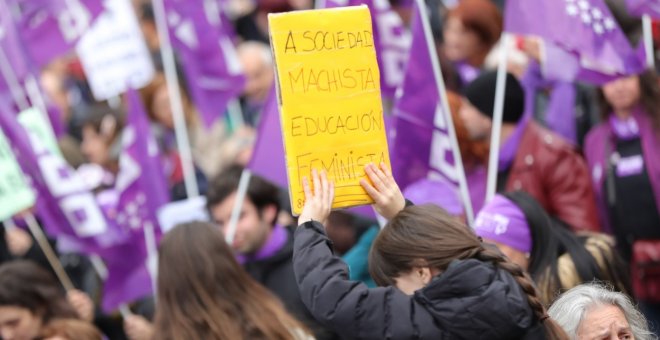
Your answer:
<point x="552" y="329"/>
<point x="425" y="235"/>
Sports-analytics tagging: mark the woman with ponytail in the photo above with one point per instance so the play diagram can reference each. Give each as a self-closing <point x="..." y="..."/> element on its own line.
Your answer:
<point x="438" y="280"/>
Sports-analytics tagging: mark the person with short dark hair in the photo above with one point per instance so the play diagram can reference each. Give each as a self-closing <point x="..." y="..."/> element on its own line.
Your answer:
<point x="263" y="247"/>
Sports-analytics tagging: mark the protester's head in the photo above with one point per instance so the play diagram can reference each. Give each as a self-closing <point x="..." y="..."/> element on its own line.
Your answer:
<point x="258" y="212"/>
<point x="70" y="329"/>
<point x="257" y="65"/>
<point x="627" y="93"/>
<point x="156" y="98"/>
<point x="101" y="130"/>
<point x="203" y="293"/>
<point x="421" y="241"/>
<point x="478" y="104"/>
<point x="473" y="152"/>
<point x="593" y="311"/>
<point x="503" y="223"/>
<point x="29" y="298"/>
<point x="471" y="29"/>
<point x="545" y="247"/>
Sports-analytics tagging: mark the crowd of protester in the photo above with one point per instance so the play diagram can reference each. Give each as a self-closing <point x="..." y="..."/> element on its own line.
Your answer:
<point x="563" y="251"/>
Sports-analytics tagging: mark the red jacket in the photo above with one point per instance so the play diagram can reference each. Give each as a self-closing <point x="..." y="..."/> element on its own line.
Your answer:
<point x="548" y="168"/>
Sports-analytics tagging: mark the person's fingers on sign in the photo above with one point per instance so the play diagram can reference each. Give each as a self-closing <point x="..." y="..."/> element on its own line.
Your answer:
<point x="385" y="192"/>
<point x="318" y="200"/>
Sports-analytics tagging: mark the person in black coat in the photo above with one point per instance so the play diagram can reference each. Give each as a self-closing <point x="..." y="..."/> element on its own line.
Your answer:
<point x="440" y="281"/>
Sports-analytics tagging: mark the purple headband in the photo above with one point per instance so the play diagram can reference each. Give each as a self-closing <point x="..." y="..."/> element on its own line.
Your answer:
<point x="502" y="221"/>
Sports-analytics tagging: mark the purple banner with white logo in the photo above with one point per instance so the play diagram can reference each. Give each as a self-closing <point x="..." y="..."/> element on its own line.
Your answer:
<point x="584" y="28"/>
<point x="64" y="204"/>
<point x="207" y="54"/>
<point x="141" y="189"/>
<point x="422" y="146"/>
<point x="51" y="28"/>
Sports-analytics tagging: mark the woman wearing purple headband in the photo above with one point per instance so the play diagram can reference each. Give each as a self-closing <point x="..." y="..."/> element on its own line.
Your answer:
<point x="556" y="258"/>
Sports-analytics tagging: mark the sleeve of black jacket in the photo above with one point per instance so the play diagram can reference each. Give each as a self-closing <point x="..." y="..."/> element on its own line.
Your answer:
<point x="350" y="308"/>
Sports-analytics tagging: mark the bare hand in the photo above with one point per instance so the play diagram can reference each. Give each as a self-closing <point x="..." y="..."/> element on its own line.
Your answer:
<point x="19" y="241"/>
<point x="82" y="304"/>
<point x="388" y="199"/>
<point x="138" y="328"/>
<point x="318" y="203"/>
<point x="532" y="47"/>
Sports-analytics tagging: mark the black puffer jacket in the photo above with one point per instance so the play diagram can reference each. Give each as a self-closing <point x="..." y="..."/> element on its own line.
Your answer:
<point x="470" y="300"/>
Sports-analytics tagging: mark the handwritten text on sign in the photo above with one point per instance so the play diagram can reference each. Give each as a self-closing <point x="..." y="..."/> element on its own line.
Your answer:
<point x="331" y="111"/>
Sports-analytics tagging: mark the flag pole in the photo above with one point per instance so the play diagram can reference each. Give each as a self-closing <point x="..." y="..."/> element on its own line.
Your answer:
<point x="243" y="184"/>
<point x="54" y="262"/>
<point x="152" y="254"/>
<point x="180" y="130"/>
<point x="497" y="119"/>
<point x="648" y="41"/>
<point x="35" y="96"/>
<point x="12" y="81"/>
<point x="437" y="73"/>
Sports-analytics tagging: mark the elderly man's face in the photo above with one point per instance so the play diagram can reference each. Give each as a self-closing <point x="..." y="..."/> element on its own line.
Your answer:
<point x="604" y="322"/>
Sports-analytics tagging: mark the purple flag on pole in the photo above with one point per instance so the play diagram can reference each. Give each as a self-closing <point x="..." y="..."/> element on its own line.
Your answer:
<point x="392" y="41"/>
<point x="207" y="54"/>
<point x="141" y="191"/>
<point x="64" y="203"/>
<point x="421" y="146"/>
<point x="584" y="28"/>
<point x="10" y="47"/>
<point x="644" y="7"/>
<point x="268" y="160"/>
<point x="51" y="28"/>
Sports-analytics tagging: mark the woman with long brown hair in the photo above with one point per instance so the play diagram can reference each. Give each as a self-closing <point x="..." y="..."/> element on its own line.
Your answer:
<point x="439" y="280"/>
<point x="203" y="293"/>
<point x="624" y="159"/>
<point x="30" y="298"/>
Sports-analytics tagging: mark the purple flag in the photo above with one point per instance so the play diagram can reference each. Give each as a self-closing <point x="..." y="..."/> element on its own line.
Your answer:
<point x="11" y="51"/>
<point x="213" y="71"/>
<point x="584" y="28"/>
<point x="644" y="7"/>
<point x="268" y="160"/>
<point x="392" y="41"/>
<point x="51" y="28"/>
<point x="141" y="191"/>
<point x="64" y="202"/>
<point x="421" y="146"/>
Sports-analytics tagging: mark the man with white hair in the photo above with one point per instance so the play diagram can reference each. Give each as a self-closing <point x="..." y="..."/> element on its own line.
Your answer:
<point x="594" y="312"/>
<point x="257" y="65"/>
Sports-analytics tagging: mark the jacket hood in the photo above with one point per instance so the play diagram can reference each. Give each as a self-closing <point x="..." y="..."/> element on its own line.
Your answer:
<point x="476" y="300"/>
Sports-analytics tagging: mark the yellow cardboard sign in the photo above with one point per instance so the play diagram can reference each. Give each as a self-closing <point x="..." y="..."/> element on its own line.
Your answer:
<point x="330" y="105"/>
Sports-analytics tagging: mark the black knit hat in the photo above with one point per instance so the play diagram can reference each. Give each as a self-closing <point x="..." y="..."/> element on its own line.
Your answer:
<point x="481" y="94"/>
